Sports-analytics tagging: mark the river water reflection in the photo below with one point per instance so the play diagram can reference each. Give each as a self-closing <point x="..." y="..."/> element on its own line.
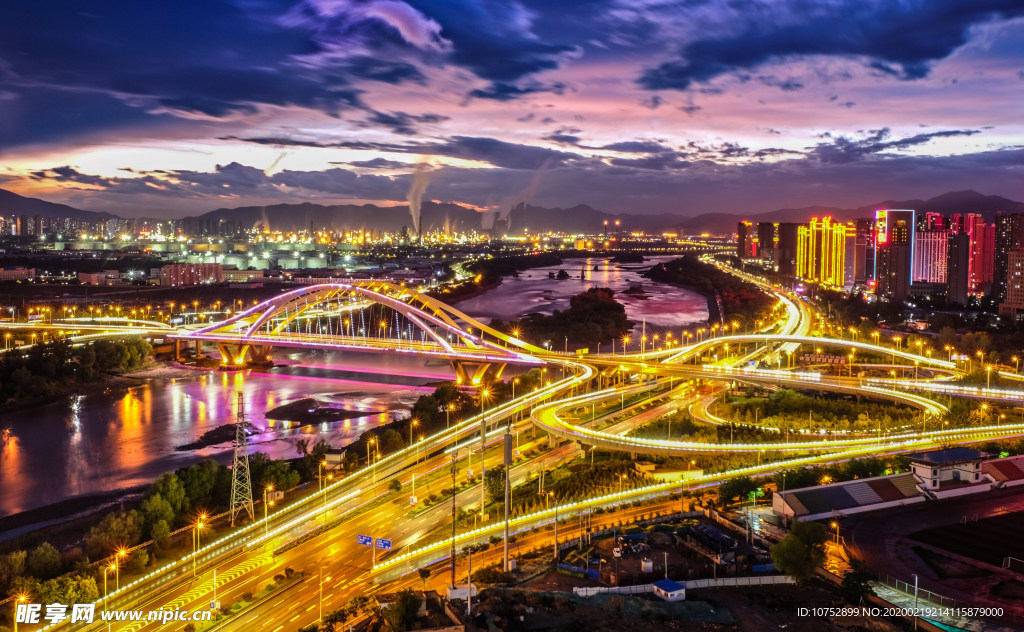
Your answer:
<point x="125" y="436"/>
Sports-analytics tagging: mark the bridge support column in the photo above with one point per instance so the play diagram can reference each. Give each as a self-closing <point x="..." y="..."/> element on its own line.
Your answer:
<point x="260" y="354"/>
<point x="472" y="373"/>
<point x="232" y="355"/>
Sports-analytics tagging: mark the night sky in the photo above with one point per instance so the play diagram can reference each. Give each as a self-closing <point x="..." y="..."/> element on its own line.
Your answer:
<point x="166" y="108"/>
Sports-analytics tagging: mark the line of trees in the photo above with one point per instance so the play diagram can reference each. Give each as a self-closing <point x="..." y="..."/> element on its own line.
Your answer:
<point x="593" y="316"/>
<point x="48" y="368"/>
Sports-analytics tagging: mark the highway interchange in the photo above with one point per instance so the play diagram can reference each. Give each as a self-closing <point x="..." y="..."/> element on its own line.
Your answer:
<point x="316" y="535"/>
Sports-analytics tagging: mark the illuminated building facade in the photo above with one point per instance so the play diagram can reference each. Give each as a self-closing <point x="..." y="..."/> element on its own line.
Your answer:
<point x="746" y="240"/>
<point x="894" y="253"/>
<point x="1009" y="237"/>
<point x="1013" y="307"/>
<point x="930" y="248"/>
<point x="821" y="252"/>
<point x="958" y="277"/>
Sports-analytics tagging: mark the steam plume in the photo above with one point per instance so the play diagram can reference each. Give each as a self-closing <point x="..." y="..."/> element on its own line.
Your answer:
<point x="420" y="180"/>
<point x="527" y="193"/>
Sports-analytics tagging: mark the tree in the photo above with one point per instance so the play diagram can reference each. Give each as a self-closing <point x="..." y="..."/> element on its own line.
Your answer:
<point x="494" y="483"/>
<point x="138" y="561"/>
<point x="394" y="485"/>
<point x="424" y="576"/>
<point x="155" y="509"/>
<point x="402" y="614"/>
<point x="170" y="488"/>
<point x="117" y="529"/>
<point x="68" y="589"/>
<point x="44" y="561"/>
<point x="947" y="336"/>
<point x="280" y="474"/>
<point x="391" y="441"/>
<point x="802" y="551"/>
<point x="205" y="483"/>
<point x="161" y="534"/>
<point x="855" y="585"/>
<point x="740" y="487"/>
<point x="12" y="565"/>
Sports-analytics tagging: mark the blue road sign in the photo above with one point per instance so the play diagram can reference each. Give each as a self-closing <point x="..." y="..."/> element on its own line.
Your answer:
<point x="364" y="540"/>
<point x="383" y="544"/>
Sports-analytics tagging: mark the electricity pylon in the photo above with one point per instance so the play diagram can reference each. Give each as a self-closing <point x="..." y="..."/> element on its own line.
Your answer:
<point x="241" y="482"/>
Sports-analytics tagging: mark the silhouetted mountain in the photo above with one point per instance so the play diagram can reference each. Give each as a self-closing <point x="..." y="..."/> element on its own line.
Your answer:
<point x="14" y="204"/>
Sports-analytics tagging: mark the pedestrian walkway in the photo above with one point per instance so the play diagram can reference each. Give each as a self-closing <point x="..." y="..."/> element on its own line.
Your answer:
<point x="902" y="599"/>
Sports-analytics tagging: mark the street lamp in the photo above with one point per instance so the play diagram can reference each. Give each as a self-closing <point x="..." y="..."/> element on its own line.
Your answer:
<point x="1016" y="364"/>
<point x="835" y="525"/>
<point x="988" y="376"/>
<point x="415" y="422"/>
<point x="266" y="510"/>
<point x="122" y="552"/>
<point x="22" y="598"/>
<point x="320" y="571"/>
<point x="195" y="541"/>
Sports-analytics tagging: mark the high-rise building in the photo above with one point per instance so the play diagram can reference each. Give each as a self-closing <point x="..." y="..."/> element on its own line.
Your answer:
<point x="930" y="221"/>
<point x="930" y="247"/>
<point x="767" y="240"/>
<point x="894" y="253"/>
<point x="1009" y="237"/>
<point x="746" y="245"/>
<point x="864" y="251"/>
<point x="982" y="250"/>
<point x="958" y="276"/>
<point x="786" y="249"/>
<point x="821" y="252"/>
<point x="1013" y="306"/>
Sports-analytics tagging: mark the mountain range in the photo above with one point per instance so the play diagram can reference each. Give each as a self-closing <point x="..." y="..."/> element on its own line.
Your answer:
<point x="576" y="219"/>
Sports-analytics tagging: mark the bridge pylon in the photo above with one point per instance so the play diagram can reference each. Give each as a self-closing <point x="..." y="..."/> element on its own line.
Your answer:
<point x="476" y="373"/>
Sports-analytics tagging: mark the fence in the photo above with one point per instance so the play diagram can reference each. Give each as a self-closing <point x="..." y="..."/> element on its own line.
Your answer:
<point x="619" y="590"/>
<point x="922" y="594"/>
<point x="722" y="582"/>
<point x="577" y="571"/>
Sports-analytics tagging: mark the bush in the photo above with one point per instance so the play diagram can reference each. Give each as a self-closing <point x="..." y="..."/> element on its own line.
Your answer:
<point x="247" y="596"/>
<point x="278" y="578"/>
<point x="288" y="572"/>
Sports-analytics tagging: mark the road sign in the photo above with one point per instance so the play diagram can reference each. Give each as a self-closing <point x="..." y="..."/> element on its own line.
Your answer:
<point x="384" y="545"/>
<point x="364" y="540"/>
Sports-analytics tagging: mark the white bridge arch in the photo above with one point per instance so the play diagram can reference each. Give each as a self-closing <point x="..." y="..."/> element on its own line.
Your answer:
<point x="335" y="316"/>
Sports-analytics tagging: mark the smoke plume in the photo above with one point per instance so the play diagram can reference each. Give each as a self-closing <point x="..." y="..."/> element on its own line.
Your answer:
<point x="420" y="180"/>
<point x="527" y="193"/>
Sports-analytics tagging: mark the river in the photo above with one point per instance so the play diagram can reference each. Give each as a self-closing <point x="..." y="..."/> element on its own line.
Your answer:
<point x="125" y="436"/>
<point x="661" y="306"/>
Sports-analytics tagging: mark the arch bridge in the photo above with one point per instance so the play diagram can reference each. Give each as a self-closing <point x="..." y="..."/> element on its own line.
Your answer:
<point x="374" y="316"/>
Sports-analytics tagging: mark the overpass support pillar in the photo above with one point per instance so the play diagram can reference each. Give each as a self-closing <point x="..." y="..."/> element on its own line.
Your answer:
<point x="472" y="373"/>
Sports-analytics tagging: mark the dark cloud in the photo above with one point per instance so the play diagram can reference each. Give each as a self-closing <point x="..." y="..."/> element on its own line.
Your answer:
<point x="491" y="150"/>
<point x="68" y="174"/>
<point x="383" y="70"/>
<point x="637" y="147"/>
<point x="376" y="163"/>
<point x="668" y="182"/>
<point x="844" y="150"/>
<point x="490" y="37"/>
<point x="400" y="122"/>
<point x="657" y="162"/>
<point x="897" y="39"/>
<point x="501" y="91"/>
